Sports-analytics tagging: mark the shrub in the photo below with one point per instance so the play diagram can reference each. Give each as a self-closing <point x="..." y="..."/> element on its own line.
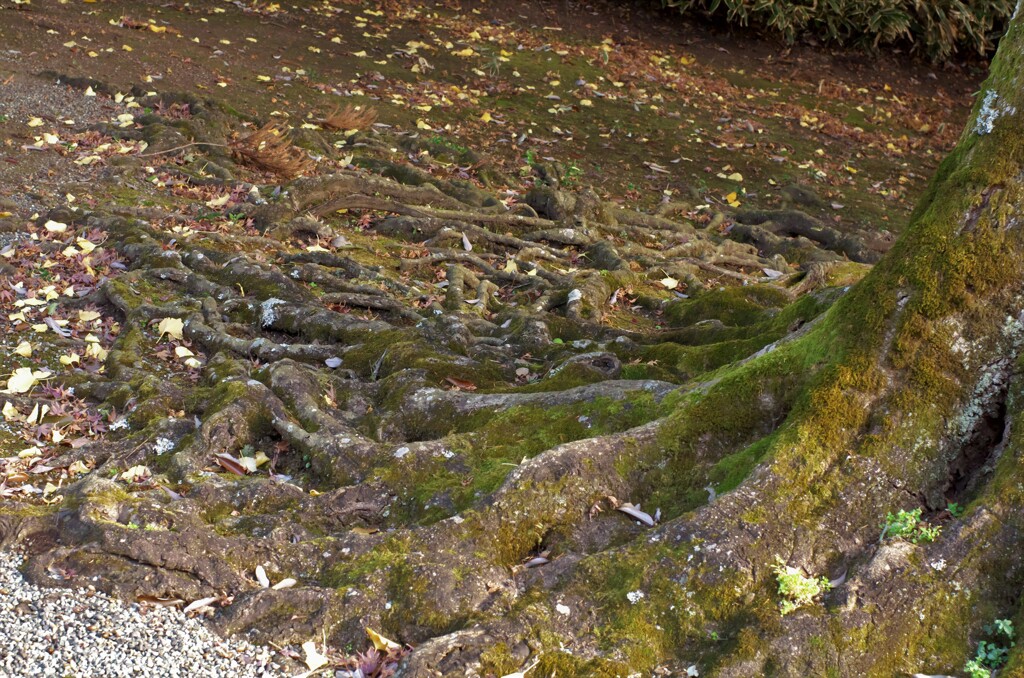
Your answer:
<point x="938" y="28"/>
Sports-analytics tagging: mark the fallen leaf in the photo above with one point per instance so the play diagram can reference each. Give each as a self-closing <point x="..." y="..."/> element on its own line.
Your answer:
<point x="636" y="513"/>
<point x="23" y="379"/>
<point x="261" y="577"/>
<point x="380" y="642"/>
<point x="199" y="604"/>
<point x="24" y="349"/>
<point x="10" y="412"/>
<point x="172" y="327"/>
<point x="669" y="283"/>
<point x="229" y="463"/>
<point x="461" y="383"/>
<point x="314" y="659"/>
<point x="136" y="474"/>
<point x="219" y="202"/>
<point x="284" y="584"/>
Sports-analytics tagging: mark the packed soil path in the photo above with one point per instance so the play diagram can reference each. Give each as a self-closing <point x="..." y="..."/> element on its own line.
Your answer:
<point x="424" y="307"/>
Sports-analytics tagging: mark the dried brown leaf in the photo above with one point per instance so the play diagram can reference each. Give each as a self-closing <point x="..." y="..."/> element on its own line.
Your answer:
<point x="349" y="117"/>
<point x="269" y="149"/>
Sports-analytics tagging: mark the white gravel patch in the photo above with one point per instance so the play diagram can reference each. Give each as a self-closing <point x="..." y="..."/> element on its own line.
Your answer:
<point x="85" y="633"/>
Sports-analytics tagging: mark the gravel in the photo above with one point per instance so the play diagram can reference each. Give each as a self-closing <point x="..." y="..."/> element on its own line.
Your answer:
<point x="84" y="633"/>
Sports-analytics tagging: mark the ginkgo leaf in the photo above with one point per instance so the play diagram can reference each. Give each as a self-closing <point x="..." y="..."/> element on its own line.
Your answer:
<point x="314" y="659"/>
<point x="218" y="202"/>
<point x="55" y="226"/>
<point x="486" y="117"/>
<point x="669" y="283"/>
<point x="182" y="352"/>
<point x="88" y="316"/>
<point x="421" y="124"/>
<point x="262" y="578"/>
<point x="284" y="584"/>
<point x="172" y="327"/>
<point x="10" y="412"/>
<point x="135" y="474"/>
<point x="380" y="642"/>
<point x="24" y="349"/>
<point x="23" y="379"/>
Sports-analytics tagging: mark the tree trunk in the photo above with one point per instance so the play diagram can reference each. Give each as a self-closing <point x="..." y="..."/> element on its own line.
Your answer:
<point x="913" y="402"/>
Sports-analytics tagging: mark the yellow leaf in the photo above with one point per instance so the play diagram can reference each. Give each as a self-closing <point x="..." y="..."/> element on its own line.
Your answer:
<point x="669" y="283"/>
<point x="731" y="198"/>
<point x="182" y="352"/>
<point x="135" y="474"/>
<point x="35" y="122"/>
<point x="96" y="351"/>
<point x="586" y="103"/>
<point x="219" y="202"/>
<point x="736" y="176"/>
<point x="314" y="659"/>
<point x="24" y="349"/>
<point x="421" y="124"/>
<point x="468" y="52"/>
<point x="23" y="379"/>
<point x="36" y="416"/>
<point x="70" y="359"/>
<point x="486" y="117"/>
<point x="172" y="327"/>
<point x="10" y="412"/>
<point x="380" y="642"/>
<point x="55" y="227"/>
<point x="88" y="316"/>
<point x="78" y="468"/>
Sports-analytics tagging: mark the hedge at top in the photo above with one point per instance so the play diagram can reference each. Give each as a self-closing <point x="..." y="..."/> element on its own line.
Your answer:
<point x="938" y="28"/>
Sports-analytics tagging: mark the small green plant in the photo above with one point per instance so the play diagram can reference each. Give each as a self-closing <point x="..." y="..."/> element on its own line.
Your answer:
<point x="573" y="172"/>
<point x="955" y="510"/>
<point x="991" y="654"/>
<point x="796" y="588"/>
<point x="908" y="525"/>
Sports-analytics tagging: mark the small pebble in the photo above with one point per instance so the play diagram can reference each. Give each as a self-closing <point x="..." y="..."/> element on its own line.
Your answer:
<point x="87" y="634"/>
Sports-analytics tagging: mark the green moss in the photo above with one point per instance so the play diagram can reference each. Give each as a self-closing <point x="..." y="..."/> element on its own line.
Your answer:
<point x="481" y="460"/>
<point x="735" y="306"/>
<point x="498" y="660"/>
<point x="387" y="554"/>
